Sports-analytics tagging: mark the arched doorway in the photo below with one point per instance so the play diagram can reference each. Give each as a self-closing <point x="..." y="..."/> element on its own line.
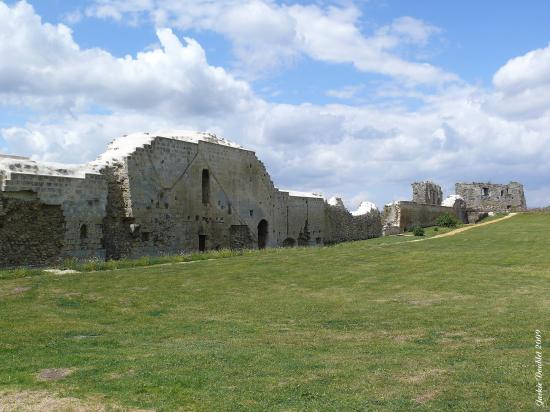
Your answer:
<point x="262" y="234"/>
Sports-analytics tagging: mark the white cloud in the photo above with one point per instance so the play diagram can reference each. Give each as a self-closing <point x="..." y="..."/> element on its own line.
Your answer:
<point x="42" y="66"/>
<point x="522" y="85"/>
<point x="413" y="30"/>
<point x="332" y="35"/>
<point x="261" y="32"/>
<point x="367" y="151"/>
<point x="265" y="34"/>
<point x="524" y="72"/>
<point x="117" y="10"/>
<point x="346" y="92"/>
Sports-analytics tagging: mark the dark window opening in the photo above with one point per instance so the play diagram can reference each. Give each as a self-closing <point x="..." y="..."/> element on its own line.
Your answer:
<point x="83" y="232"/>
<point x="502" y="192"/>
<point x="205" y="186"/>
<point x="485" y="191"/>
<point x="251" y="213"/>
<point x="262" y="234"/>
<point x="202" y="243"/>
<point x="145" y="236"/>
<point x="228" y="208"/>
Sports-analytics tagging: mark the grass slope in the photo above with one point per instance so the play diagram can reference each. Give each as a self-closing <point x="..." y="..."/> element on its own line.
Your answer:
<point x="384" y="324"/>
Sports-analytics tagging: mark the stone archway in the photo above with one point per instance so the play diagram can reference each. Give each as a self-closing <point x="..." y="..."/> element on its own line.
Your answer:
<point x="263" y="231"/>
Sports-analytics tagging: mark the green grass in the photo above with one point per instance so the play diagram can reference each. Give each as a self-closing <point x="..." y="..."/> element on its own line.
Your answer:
<point x="384" y="324"/>
<point x="498" y="215"/>
<point x="95" y="265"/>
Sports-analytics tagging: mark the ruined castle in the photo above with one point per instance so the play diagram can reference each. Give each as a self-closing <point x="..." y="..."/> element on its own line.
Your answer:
<point x="472" y="202"/>
<point x="161" y="193"/>
<point x="176" y="192"/>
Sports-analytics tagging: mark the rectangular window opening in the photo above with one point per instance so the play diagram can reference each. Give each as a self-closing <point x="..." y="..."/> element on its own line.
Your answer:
<point x="205" y="186"/>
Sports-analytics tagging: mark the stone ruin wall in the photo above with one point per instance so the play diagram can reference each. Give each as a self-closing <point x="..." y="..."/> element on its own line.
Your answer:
<point x="149" y="203"/>
<point x="156" y="203"/>
<point x="342" y="226"/>
<point x="422" y="211"/>
<point x="46" y="218"/>
<point x="490" y="197"/>
<point x="305" y="224"/>
<point x="152" y="202"/>
<point x="427" y="193"/>
<point x="404" y="215"/>
<point x="31" y="232"/>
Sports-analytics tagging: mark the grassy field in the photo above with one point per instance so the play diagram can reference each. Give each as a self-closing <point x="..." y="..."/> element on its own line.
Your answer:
<point x="384" y="324"/>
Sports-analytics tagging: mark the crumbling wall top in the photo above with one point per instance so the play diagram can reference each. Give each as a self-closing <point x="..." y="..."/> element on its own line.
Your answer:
<point x="427" y="193"/>
<point x="295" y="193"/>
<point x="22" y="165"/>
<point x="125" y="145"/>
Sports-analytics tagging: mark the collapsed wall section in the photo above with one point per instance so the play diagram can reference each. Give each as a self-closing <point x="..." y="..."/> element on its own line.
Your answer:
<point x="342" y="226"/>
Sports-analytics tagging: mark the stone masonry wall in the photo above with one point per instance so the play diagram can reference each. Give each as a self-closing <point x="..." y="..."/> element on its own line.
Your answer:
<point x="31" y="232"/>
<point x="342" y="226"/>
<point x="117" y="237"/>
<point x="170" y="195"/>
<point x="240" y="237"/>
<point x="402" y="216"/>
<point x="427" y="193"/>
<point x="305" y="221"/>
<point x="489" y="197"/>
<point x="81" y="199"/>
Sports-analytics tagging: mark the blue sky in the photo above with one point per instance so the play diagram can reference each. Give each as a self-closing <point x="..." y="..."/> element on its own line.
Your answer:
<point x="356" y="99"/>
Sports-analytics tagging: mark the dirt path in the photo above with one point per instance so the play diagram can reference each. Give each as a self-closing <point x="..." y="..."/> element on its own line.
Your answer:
<point x="465" y="228"/>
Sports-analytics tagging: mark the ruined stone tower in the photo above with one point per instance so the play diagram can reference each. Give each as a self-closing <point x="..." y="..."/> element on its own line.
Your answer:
<point x="427" y="193"/>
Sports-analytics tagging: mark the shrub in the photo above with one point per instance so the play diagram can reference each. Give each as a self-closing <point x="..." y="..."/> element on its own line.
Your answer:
<point x="436" y="229"/>
<point x="447" y="220"/>
<point x="418" y="231"/>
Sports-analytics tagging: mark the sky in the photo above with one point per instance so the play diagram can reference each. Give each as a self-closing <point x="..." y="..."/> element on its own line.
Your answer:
<point x="356" y="99"/>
